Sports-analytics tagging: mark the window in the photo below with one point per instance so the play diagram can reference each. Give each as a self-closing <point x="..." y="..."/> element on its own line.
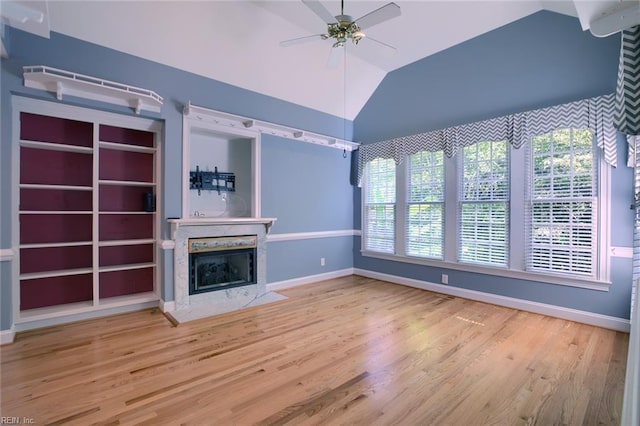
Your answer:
<point x="379" y="205"/>
<point x="484" y="204"/>
<point x="562" y="203"/>
<point x="425" y="205"/>
<point x="529" y="213"/>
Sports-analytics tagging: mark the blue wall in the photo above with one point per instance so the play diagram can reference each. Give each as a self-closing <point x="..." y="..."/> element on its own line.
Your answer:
<point x="541" y="60"/>
<point x="307" y="188"/>
<point x="304" y="186"/>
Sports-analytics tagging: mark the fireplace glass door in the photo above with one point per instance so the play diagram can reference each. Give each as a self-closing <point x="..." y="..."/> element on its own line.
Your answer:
<point x="221" y="263"/>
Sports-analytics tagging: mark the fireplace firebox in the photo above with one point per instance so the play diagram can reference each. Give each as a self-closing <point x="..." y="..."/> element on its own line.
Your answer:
<point x="219" y="263"/>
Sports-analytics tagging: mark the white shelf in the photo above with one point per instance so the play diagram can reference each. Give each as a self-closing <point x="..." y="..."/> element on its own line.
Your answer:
<point x="70" y="83"/>
<point x="128" y="299"/>
<point x="125" y="147"/>
<point x="56" y="310"/>
<point x="50" y="245"/>
<point x="126" y="242"/>
<point x="126" y="267"/>
<point x="224" y="119"/>
<point x="127" y="213"/>
<point x="49" y="186"/>
<point x="59" y="273"/>
<point x="70" y="212"/>
<point x="124" y="183"/>
<point x="55" y="146"/>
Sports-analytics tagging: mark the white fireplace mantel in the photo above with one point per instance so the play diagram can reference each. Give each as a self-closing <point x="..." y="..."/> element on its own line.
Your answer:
<point x="208" y="221"/>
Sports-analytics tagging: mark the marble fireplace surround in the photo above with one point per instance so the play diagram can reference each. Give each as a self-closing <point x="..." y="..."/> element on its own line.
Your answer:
<point x="191" y="307"/>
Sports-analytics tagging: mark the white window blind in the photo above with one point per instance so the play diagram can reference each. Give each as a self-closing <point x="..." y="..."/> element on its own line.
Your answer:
<point x="379" y="205"/>
<point x="562" y="203"/>
<point x="425" y="205"/>
<point x="484" y="204"/>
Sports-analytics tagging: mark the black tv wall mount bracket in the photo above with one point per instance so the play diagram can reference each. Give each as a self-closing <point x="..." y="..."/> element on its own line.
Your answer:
<point x="212" y="181"/>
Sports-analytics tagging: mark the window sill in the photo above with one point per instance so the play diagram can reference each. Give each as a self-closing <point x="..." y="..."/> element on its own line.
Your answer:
<point x="586" y="283"/>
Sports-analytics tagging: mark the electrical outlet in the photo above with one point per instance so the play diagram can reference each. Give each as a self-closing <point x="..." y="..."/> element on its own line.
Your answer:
<point x="445" y="279"/>
<point x="322" y="261"/>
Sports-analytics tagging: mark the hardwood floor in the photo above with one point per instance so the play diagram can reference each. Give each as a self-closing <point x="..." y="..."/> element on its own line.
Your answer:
<point x="346" y="351"/>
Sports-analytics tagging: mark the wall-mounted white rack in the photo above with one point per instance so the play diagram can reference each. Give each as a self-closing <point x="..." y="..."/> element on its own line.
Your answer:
<point x="70" y="83"/>
<point x="238" y="122"/>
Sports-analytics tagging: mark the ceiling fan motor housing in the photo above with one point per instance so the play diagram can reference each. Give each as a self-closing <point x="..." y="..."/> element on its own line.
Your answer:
<point x="345" y="28"/>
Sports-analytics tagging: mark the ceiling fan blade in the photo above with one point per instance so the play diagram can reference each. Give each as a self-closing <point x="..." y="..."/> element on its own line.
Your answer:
<point x="386" y="12"/>
<point x="317" y="8"/>
<point x="382" y="44"/>
<point x="299" y="40"/>
<point x="335" y="55"/>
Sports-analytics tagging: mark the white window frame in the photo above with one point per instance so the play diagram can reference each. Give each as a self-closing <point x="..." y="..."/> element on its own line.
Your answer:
<point x="461" y="201"/>
<point x="409" y="203"/>
<point x="394" y="205"/>
<point x="517" y="232"/>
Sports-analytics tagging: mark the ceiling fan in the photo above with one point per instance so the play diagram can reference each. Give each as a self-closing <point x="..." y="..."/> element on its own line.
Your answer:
<point x="342" y="28"/>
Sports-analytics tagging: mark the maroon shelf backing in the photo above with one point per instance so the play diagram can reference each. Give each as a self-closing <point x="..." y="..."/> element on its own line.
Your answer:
<point x="126" y="165"/>
<point x="126" y="255"/>
<point x="125" y="227"/>
<point x="54" y="258"/>
<point x="126" y="136"/>
<point x="120" y="283"/>
<point x="55" y="199"/>
<point x="52" y="291"/>
<point x="114" y="198"/>
<point x="54" y="228"/>
<point x="42" y="128"/>
<point x="55" y="167"/>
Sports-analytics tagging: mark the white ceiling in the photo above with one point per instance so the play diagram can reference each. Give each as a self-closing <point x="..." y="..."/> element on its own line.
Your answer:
<point x="237" y="42"/>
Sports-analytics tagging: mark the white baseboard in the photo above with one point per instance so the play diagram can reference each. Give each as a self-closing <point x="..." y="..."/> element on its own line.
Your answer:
<point x="167" y="306"/>
<point x="7" y="336"/>
<point x="280" y="285"/>
<point x="605" y="321"/>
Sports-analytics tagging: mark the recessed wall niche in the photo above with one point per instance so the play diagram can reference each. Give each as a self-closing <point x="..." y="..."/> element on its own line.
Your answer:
<point x="209" y="147"/>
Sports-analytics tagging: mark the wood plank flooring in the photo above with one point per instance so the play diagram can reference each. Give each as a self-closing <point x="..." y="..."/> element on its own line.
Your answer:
<point x="346" y="351"/>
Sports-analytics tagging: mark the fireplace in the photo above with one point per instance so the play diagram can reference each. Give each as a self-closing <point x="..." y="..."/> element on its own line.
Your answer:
<point x="201" y="247"/>
<point x="219" y="263"/>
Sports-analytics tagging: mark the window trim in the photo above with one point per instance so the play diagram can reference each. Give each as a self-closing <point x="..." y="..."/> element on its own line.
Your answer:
<point x="517" y="258"/>
<point x="591" y="284"/>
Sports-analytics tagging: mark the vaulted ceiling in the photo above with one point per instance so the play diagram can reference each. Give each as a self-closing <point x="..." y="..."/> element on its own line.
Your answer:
<point x="237" y="42"/>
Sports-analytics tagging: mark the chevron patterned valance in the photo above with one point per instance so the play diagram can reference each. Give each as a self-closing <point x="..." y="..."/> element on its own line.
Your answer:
<point x="593" y="113"/>
<point x="627" y="106"/>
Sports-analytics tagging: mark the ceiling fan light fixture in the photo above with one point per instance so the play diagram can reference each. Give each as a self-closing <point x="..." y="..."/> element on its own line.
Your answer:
<point x="343" y="27"/>
<point x="357" y="36"/>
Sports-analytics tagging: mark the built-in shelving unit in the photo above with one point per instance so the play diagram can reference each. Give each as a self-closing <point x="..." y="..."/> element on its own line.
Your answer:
<point x="88" y="234"/>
